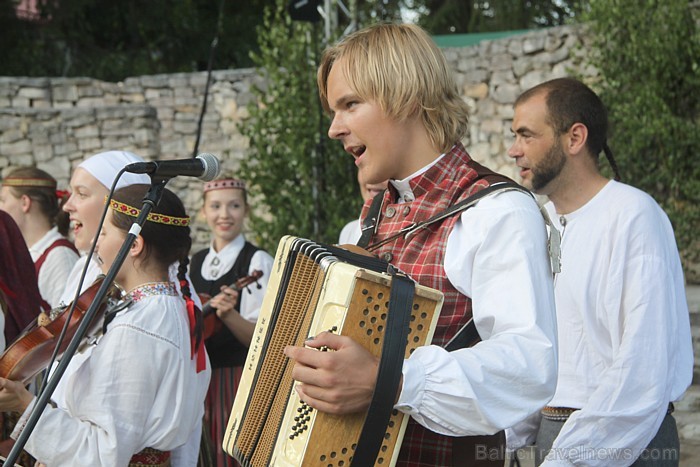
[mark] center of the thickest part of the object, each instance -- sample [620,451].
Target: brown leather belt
[560,414]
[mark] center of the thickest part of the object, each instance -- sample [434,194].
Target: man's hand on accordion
[335,374]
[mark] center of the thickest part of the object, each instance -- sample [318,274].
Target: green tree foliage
[112,40]
[462,16]
[649,63]
[302,184]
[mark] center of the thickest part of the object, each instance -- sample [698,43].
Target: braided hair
[165,243]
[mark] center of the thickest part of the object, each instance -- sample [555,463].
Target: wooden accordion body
[315,288]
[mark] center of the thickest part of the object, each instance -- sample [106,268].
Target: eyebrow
[522,129]
[342,100]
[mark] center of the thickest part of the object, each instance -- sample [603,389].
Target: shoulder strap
[553,243]
[59,242]
[369,223]
[452,210]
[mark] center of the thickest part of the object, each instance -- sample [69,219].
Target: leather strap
[369,223]
[467,336]
[389,374]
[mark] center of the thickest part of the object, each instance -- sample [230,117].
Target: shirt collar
[403,187]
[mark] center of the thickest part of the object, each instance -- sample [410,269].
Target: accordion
[314,288]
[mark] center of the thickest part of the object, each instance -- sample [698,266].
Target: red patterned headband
[152,216]
[224,183]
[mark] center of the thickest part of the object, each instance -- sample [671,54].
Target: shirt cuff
[22,422]
[413,387]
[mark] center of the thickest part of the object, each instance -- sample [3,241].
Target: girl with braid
[138,391]
[90,182]
[229,257]
[30,196]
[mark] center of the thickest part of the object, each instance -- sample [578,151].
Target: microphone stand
[151,200]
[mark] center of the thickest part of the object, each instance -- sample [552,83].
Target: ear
[577,138]
[25,202]
[138,247]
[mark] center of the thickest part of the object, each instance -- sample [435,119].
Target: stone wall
[56,122]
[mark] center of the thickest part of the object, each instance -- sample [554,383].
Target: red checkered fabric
[452,179]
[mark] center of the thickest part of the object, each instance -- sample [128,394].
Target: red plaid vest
[455,177]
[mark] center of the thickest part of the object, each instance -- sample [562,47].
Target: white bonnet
[104,166]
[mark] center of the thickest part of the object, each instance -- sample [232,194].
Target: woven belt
[150,457]
[561,414]
[558,414]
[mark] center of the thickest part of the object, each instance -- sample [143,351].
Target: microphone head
[212,167]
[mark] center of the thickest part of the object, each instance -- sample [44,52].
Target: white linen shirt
[625,347]
[183,456]
[136,388]
[350,233]
[57,265]
[497,255]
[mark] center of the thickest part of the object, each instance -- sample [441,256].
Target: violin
[31,352]
[212,323]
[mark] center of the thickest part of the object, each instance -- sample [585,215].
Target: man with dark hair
[625,351]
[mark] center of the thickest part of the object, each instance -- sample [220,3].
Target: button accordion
[314,288]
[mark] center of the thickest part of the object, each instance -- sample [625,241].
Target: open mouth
[77,226]
[357,151]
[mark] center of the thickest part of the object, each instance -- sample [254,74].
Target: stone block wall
[56,122]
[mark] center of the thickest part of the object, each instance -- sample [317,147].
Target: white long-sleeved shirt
[350,233]
[625,347]
[182,456]
[496,255]
[57,265]
[114,402]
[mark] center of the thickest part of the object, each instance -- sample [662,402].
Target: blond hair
[399,67]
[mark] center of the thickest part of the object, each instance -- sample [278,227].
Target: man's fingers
[327,340]
[306,394]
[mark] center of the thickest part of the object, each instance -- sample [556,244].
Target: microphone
[205,167]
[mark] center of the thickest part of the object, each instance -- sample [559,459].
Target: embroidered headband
[224,183]
[152,216]
[30,182]
[21,182]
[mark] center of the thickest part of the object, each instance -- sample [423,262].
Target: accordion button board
[314,288]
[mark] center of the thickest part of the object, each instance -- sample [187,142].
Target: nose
[68,204]
[337,129]
[514,150]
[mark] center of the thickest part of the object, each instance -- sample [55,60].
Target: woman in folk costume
[120,408]
[229,258]
[30,196]
[90,183]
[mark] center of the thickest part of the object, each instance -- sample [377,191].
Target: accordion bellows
[314,288]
